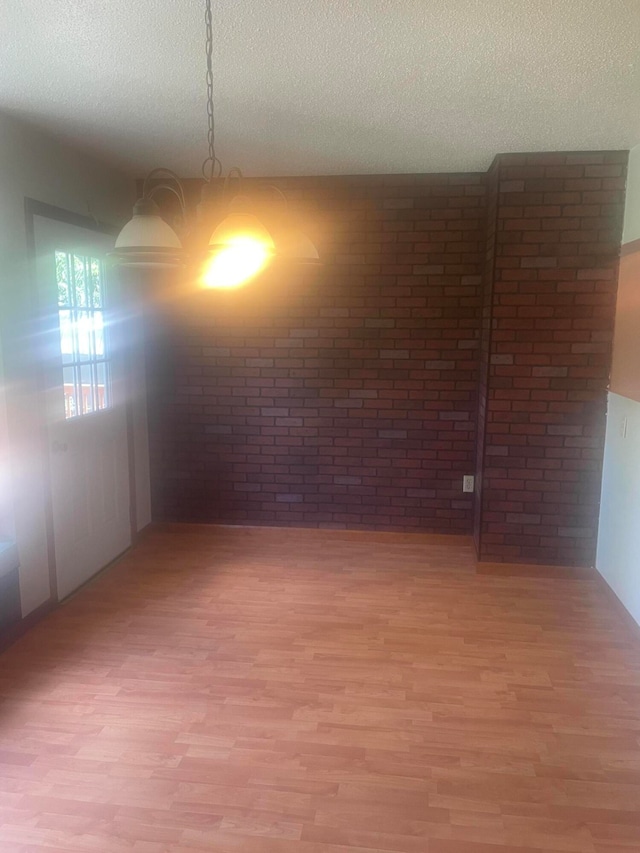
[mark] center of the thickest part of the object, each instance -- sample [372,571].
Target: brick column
[554,231]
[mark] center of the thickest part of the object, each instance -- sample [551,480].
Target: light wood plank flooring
[266,691]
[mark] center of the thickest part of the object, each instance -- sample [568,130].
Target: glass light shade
[296,246]
[238,261]
[239,248]
[147,231]
[147,240]
[243,227]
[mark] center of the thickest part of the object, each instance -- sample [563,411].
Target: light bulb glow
[242,258]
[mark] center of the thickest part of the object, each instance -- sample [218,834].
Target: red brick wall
[558,223]
[346,398]
[359,397]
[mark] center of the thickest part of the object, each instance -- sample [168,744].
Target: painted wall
[625,366]
[632,208]
[34,165]
[7,530]
[618,556]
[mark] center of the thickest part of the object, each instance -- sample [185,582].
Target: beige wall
[34,165]
[7,529]
[618,556]
[625,368]
[632,206]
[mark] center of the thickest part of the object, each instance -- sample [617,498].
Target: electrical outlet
[468,483]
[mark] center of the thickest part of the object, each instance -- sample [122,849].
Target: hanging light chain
[211,163]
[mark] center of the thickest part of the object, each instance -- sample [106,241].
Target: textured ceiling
[325,86]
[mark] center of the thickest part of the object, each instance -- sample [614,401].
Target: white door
[83,357]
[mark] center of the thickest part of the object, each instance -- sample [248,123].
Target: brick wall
[345,398]
[558,223]
[358,397]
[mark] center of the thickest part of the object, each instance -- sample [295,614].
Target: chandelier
[240,245]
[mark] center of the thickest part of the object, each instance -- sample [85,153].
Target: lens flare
[240,260]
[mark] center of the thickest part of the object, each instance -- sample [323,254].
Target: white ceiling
[325,86]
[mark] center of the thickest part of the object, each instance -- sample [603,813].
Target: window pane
[80,291]
[83,341]
[98,333]
[70,396]
[84,338]
[102,385]
[96,282]
[67,347]
[62,278]
[88,397]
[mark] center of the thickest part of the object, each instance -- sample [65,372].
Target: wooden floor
[320,692]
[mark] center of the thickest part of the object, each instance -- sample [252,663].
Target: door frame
[33,208]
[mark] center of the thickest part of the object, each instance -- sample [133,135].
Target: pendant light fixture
[238,248]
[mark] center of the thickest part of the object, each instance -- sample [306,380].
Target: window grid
[83,343]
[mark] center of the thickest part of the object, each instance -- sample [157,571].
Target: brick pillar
[553,239]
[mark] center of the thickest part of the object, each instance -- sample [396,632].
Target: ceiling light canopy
[239,246]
